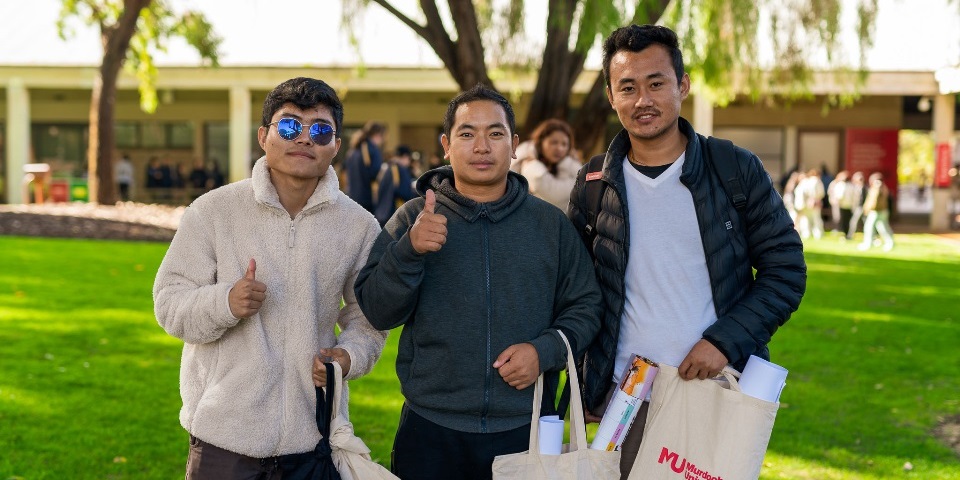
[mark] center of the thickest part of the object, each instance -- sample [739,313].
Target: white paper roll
[551,435]
[762,379]
[616,421]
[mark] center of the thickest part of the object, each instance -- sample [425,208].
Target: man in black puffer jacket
[673,255]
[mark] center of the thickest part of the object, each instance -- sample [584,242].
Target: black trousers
[423,450]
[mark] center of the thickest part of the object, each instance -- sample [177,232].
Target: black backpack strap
[722,156]
[592,194]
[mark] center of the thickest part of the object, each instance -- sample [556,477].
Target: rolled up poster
[763,379]
[624,404]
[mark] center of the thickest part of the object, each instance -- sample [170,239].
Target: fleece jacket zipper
[488,368]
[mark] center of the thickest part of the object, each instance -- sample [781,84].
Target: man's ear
[516,143]
[262,137]
[684,86]
[445,143]
[609,93]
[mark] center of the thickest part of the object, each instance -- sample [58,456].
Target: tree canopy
[766,48]
[131,33]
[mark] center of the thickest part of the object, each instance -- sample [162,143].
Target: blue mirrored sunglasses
[291,128]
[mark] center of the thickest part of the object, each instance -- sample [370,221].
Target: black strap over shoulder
[592,194]
[722,156]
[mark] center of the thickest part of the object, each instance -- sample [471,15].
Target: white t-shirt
[669,302]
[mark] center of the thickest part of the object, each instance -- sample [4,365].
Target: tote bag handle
[578,431]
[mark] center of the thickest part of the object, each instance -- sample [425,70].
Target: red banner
[941,177]
[873,150]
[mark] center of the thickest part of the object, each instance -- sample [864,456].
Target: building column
[791,148]
[18,138]
[943,128]
[239,133]
[703,114]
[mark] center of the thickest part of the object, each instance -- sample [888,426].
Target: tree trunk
[116,40]
[471,64]
[590,123]
[558,71]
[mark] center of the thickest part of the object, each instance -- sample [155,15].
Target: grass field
[88,380]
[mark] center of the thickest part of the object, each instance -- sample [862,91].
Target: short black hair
[479,92]
[636,38]
[304,93]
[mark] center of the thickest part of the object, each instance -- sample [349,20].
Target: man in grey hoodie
[481,274]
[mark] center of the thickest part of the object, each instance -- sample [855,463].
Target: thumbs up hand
[429,231]
[247,294]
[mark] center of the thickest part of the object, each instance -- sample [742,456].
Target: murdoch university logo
[682,466]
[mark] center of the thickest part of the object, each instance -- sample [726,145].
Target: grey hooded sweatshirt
[512,271]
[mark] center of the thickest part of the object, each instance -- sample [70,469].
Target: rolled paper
[551,435]
[763,379]
[624,404]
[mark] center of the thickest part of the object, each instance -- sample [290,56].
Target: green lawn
[88,380]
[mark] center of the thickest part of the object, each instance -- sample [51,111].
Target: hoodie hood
[441,181]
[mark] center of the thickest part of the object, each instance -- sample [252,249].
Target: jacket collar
[441,181]
[265,193]
[692,164]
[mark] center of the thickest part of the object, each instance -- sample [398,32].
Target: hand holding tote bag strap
[317,464]
[350,455]
[578,463]
[703,427]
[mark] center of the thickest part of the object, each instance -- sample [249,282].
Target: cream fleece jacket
[246,383]
[543,184]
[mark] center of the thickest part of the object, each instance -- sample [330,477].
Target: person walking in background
[481,275]
[835,194]
[363,163]
[256,281]
[877,208]
[548,163]
[395,184]
[214,176]
[674,255]
[123,174]
[856,193]
[789,189]
[808,199]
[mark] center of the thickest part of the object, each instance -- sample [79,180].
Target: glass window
[3,165]
[63,146]
[217,143]
[127,134]
[154,135]
[766,143]
[181,135]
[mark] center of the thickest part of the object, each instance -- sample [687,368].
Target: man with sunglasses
[252,283]
[481,275]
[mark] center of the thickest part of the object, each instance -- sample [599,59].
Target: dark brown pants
[631,444]
[206,461]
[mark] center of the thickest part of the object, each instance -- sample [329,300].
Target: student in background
[395,182]
[547,161]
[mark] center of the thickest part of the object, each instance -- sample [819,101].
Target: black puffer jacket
[749,309]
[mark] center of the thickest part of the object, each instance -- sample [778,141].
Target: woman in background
[547,161]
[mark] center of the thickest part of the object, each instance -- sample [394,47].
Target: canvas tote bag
[578,462]
[703,429]
[350,455]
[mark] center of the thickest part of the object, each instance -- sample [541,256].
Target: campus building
[210,115]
